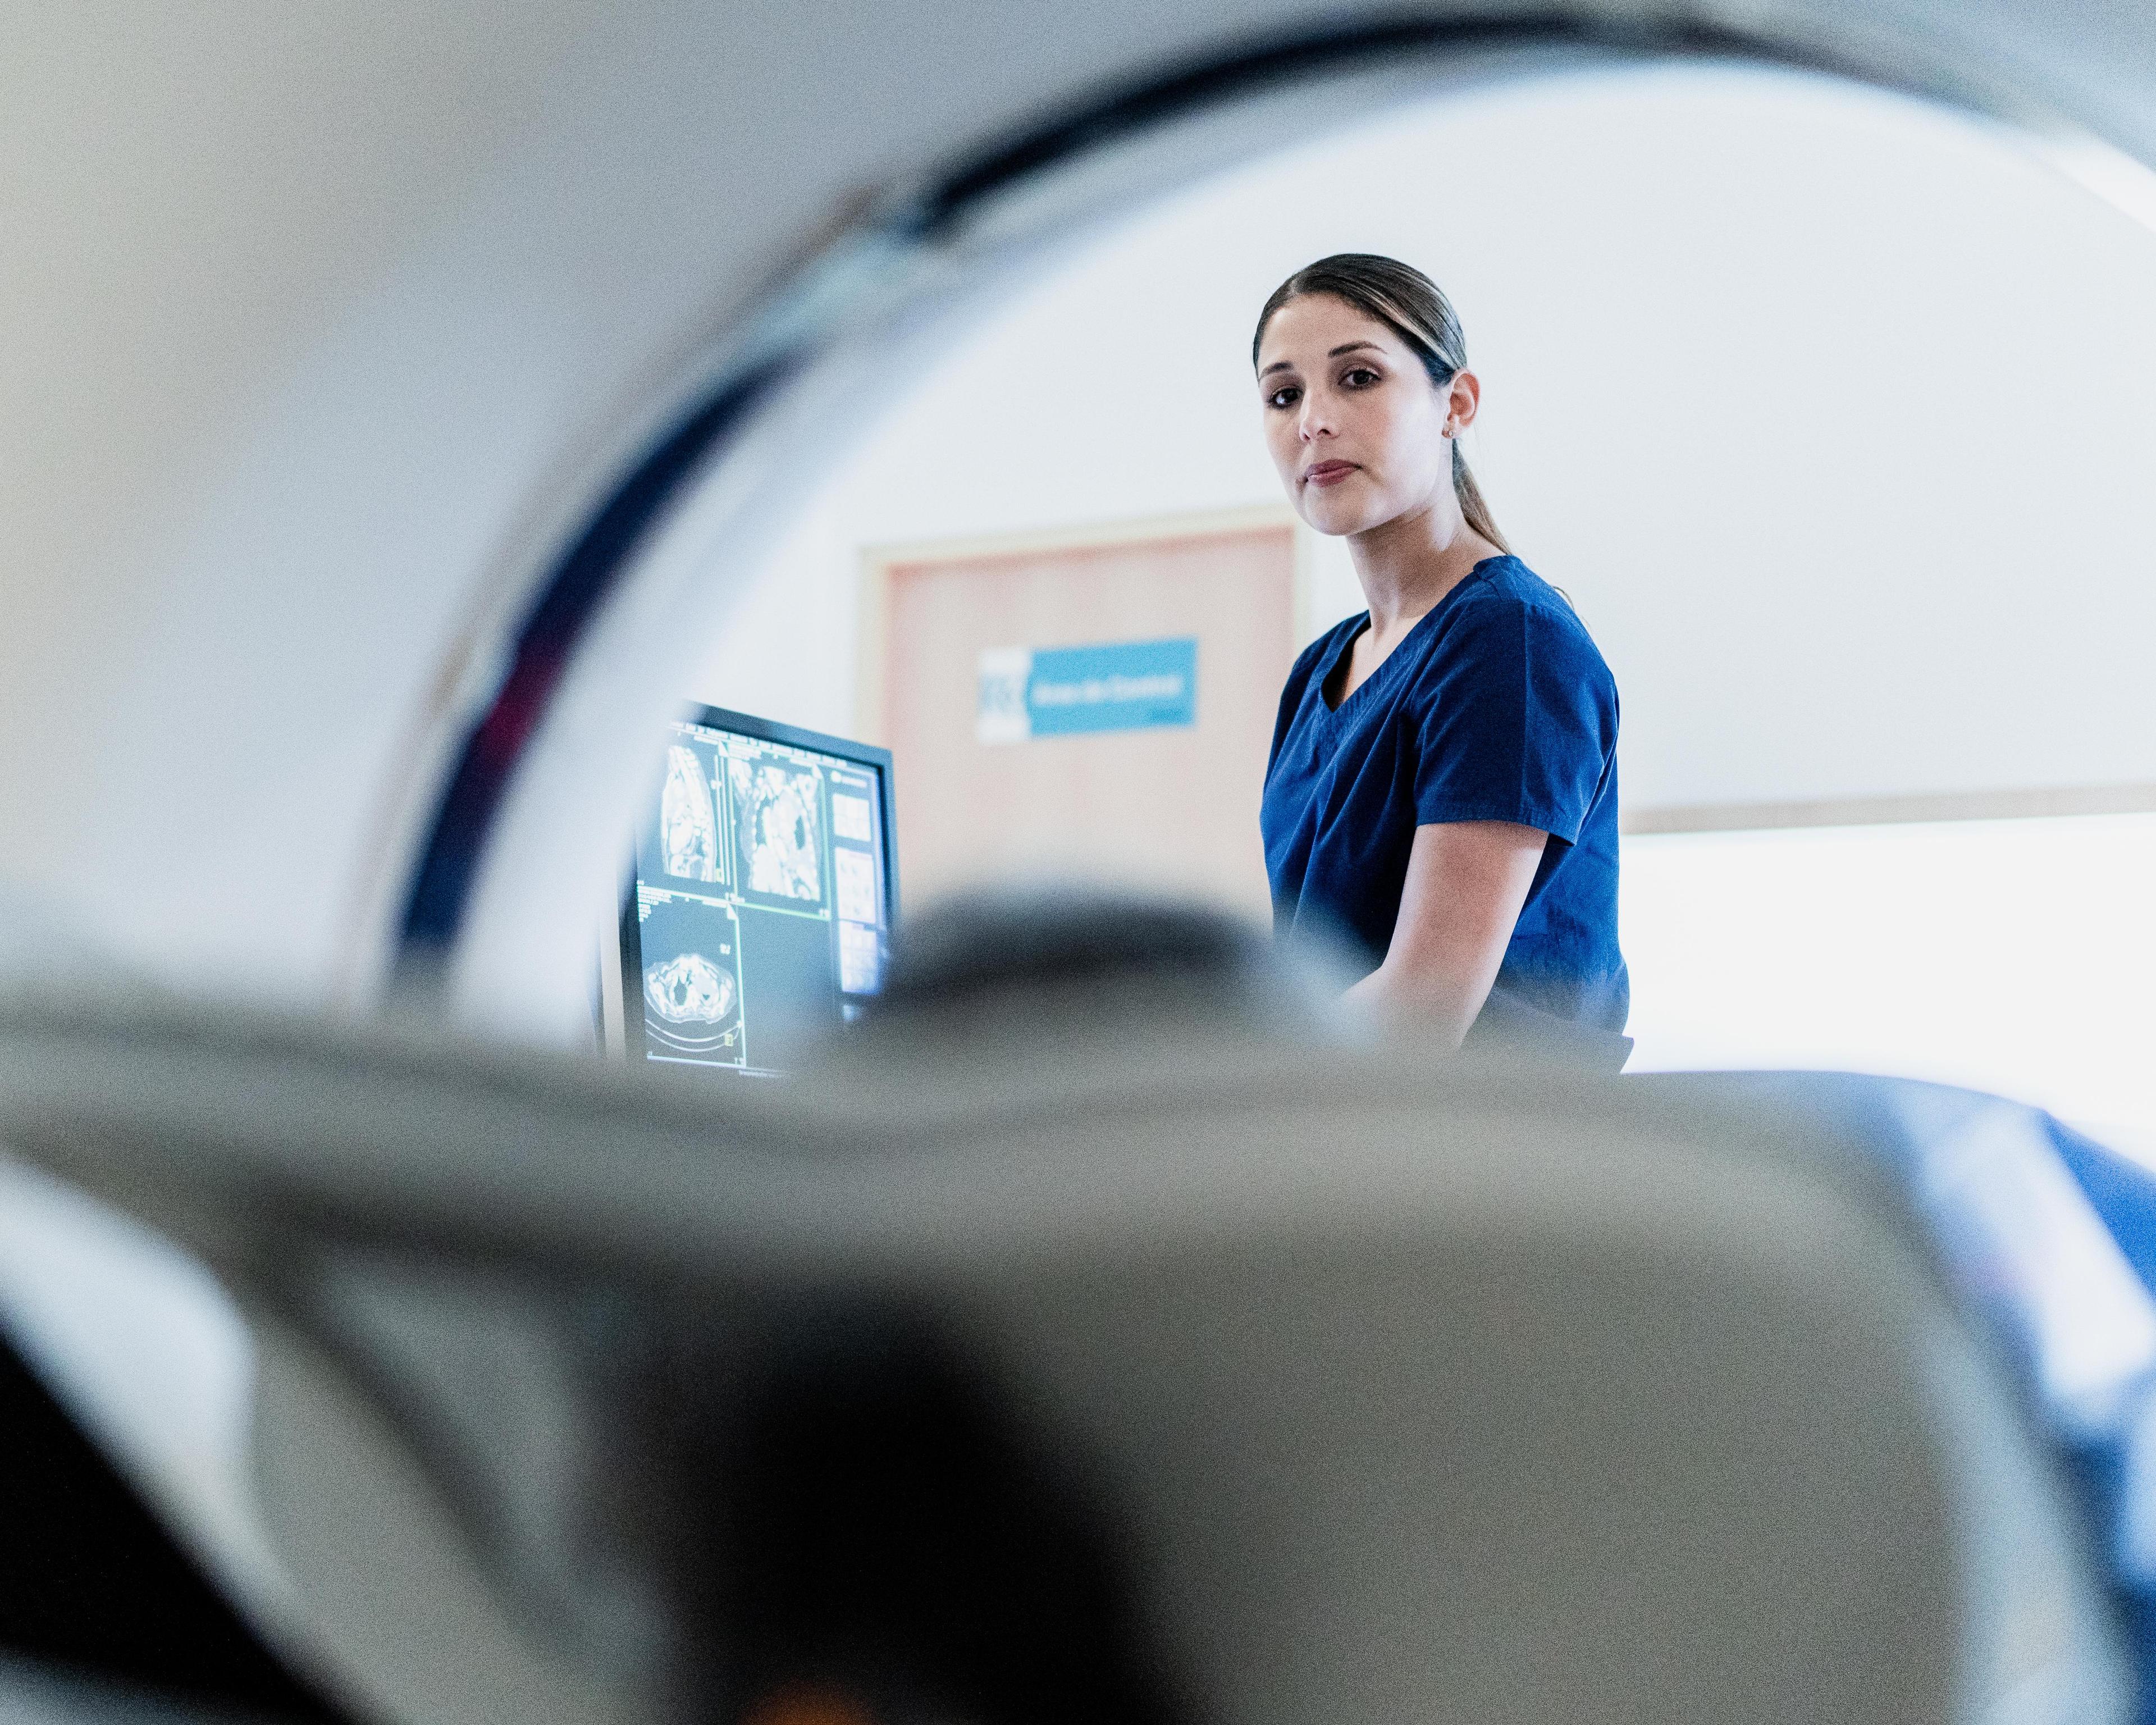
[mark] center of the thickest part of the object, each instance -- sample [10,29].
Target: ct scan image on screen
[758,916]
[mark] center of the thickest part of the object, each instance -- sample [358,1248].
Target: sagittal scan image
[777,828]
[688,825]
[692,980]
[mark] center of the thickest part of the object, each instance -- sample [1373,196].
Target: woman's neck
[1409,564]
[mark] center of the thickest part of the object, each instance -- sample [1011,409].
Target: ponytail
[1471,505]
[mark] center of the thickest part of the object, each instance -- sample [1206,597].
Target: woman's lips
[1328,473]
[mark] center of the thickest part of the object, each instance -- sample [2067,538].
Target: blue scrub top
[1497,706]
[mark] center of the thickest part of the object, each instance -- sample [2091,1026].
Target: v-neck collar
[1346,644]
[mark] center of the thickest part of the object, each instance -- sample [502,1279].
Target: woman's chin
[1338,522]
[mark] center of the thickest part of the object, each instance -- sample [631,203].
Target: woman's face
[1359,433]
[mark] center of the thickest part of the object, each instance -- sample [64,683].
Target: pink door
[1169,801]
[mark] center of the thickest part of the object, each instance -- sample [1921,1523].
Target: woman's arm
[1466,881]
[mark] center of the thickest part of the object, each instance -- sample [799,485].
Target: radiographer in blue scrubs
[1442,791]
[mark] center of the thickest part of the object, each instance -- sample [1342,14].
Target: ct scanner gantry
[413,371]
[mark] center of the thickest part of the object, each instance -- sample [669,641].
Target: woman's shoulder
[1504,596]
[1507,624]
[1504,583]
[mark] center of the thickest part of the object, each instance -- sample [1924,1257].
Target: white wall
[1833,413]
[2012,956]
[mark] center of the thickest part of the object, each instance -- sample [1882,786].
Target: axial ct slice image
[691,986]
[689,989]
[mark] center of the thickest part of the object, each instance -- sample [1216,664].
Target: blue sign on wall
[1063,691]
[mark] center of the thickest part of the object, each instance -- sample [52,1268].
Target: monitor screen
[759,914]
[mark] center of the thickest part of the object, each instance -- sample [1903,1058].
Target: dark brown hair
[1411,305]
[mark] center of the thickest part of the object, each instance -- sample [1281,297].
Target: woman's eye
[1358,378]
[1283,397]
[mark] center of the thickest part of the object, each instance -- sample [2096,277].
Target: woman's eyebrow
[1284,365]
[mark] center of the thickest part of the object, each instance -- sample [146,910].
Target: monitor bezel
[630,944]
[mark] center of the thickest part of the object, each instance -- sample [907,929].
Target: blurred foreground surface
[1115,1340]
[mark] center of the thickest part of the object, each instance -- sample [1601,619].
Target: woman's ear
[1463,398]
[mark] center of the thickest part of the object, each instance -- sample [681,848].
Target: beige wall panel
[1172,807]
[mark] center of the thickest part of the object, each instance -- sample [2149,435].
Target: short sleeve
[1517,719]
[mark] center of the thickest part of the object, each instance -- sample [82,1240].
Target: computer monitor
[760,904]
